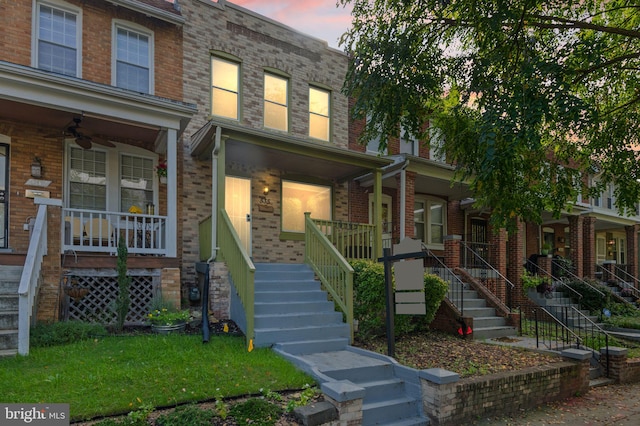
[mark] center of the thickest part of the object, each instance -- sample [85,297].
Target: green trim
[291,236]
[277,72]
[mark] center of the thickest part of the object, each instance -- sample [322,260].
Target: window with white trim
[225,88]
[57,34]
[319,113]
[133,56]
[276,109]
[87,179]
[298,198]
[409,144]
[373,145]
[136,182]
[430,221]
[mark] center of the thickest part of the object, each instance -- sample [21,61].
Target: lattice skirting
[98,304]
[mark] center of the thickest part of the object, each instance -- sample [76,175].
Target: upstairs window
[319,118]
[133,59]
[57,38]
[408,143]
[436,145]
[373,145]
[225,84]
[276,114]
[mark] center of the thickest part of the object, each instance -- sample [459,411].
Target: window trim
[328,116]
[35,30]
[133,27]
[287,79]
[222,56]
[294,235]
[113,156]
[429,201]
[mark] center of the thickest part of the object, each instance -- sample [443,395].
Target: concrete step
[9,286]
[301,295]
[306,318]
[9,339]
[305,347]
[479,312]
[494,321]
[286,285]
[270,336]
[293,307]
[8,352]
[388,411]
[8,302]
[475,303]
[8,320]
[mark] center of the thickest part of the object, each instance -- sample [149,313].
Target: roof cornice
[151,11]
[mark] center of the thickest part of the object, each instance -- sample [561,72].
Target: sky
[319,18]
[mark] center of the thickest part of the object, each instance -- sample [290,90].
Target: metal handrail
[574,277]
[548,329]
[621,281]
[487,265]
[628,275]
[455,294]
[540,271]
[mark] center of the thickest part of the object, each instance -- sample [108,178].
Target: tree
[531,96]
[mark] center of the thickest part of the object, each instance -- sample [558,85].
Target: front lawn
[113,375]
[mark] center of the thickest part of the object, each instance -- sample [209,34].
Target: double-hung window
[225,88]
[133,56]
[87,179]
[276,102]
[136,182]
[436,145]
[430,221]
[298,198]
[409,144]
[57,39]
[319,113]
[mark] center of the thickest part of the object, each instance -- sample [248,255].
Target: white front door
[238,206]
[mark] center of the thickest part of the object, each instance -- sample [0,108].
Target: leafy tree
[531,96]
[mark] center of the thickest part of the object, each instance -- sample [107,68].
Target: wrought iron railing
[610,276]
[434,265]
[475,256]
[30,279]
[241,269]
[352,240]
[550,332]
[334,272]
[557,282]
[99,232]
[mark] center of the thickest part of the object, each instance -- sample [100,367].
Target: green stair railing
[334,272]
[241,269]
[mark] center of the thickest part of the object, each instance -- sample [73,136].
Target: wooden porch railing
[241,268]
[99,231]
[30,278]
[352,240]
[329,264]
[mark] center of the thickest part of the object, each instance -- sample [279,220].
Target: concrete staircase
[557,304]
[9,283]
[294,316]
[486,323]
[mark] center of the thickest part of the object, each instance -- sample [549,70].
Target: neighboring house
[270,140]
[91,101]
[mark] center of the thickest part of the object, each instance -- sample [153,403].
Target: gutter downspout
[403,200]
[214,195]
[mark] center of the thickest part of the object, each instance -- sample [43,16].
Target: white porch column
[172,193]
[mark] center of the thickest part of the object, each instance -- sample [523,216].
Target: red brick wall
[576,243]
[589,244]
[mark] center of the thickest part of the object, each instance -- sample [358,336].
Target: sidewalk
[606,405]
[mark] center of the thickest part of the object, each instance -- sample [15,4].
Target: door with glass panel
[238,206]
[4,195]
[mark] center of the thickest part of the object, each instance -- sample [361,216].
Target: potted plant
[546,249]
[534,281]
[164,320]
[161,170]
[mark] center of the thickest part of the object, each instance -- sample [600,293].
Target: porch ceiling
[283,152]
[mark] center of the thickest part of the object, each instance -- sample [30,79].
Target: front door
[4,195]
[238,206]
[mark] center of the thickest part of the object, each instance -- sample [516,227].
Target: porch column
[172,193]
[632,249]
[498,254]
[576,243]
[589,244]
[516,260]
[377,212]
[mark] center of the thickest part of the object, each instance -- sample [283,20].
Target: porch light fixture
[36,168]
[265,203]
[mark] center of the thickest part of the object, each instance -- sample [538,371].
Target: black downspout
[203,268]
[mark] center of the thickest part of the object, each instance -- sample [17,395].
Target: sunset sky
[319,18]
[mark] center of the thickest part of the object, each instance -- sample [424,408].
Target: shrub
[370,304]
[63,332]
[186,415]
[256,411]
[591,299]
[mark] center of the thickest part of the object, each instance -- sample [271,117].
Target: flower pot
[163,179]
[166,329]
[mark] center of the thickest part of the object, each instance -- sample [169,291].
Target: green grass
[114,375]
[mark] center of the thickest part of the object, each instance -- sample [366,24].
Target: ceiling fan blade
[103,142]
[84,142]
